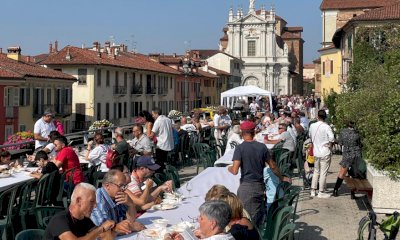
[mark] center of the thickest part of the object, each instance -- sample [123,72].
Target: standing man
[42,128]
[162,129]
[121,147]
[322,138]
[66,159]
[114,204]
[75,222]
[251,157]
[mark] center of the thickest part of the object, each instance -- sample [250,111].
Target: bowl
[160,222]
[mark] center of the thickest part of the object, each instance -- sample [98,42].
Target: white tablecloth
[189,208]
[16,178]
[226,159]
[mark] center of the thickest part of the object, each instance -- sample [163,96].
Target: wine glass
[189,187]
[25,163]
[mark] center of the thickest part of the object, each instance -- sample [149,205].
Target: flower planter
[386,194]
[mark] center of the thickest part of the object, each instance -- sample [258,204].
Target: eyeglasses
[122,187]
[281,128]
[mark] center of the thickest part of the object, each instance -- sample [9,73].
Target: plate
[153,233]
[5,175]
[164,206]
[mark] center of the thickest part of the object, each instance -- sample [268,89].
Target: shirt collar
[107,198]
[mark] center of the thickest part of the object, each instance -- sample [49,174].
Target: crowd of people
[125,193]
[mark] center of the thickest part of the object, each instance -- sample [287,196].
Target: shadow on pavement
[307,232]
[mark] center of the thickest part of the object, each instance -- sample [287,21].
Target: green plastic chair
[284,158]
[25,200]
[281,188]
[6,224]
[159,178]
[199,149]
[30,234]
[283,218]
[43,214]
[172,174]
[43,190]
[62,192]
[287,232]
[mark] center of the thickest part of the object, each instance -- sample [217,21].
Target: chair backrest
[42,191]
[284,158]
[30,234]
[68,192]
[198,148]
[281,189]
[283,218]
[25,196]
[287,232]
[159,178]
[9,196]
[172,173]
[44,214]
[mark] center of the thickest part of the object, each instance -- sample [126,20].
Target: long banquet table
[14,179]
[188,209]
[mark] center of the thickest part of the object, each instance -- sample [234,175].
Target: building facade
[29,89]
[113,84]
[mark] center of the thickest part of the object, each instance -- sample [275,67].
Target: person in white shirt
[98,154]
[188,127]
[254,107]
[42,129]
[322,138]
[50,148]
[233,136]
[222,122]
[141,143]
[162,129]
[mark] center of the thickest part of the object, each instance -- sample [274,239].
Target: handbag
[310,153]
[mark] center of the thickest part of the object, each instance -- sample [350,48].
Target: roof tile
[354,4]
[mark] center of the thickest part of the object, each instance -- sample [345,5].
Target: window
[171,83]
[251,48]
[22,128]
[98,111]
[116,78]
[133,79]
[125,109]
[115,111]
[107,111]
[331,66]
[119,110]
[38,101]
[82,74]
[24,96]
[99,77]
[107,78]
[58,100]
[125,79]
[323,68]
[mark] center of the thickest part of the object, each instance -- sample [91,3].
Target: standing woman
[148,124]
[349,138]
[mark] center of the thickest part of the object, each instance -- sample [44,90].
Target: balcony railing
[119,90]
[163,91]
[151,90]
[10,112]
[137,89]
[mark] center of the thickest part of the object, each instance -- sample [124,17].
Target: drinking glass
[189,187]
[25,163]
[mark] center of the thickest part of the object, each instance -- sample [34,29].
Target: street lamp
[186,70]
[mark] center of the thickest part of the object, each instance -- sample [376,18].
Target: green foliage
[373,99]
[330,103]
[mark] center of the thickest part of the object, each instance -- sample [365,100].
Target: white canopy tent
[241,92]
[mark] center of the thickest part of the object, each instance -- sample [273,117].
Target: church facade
[257,39]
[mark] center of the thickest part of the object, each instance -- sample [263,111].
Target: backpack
[111,157]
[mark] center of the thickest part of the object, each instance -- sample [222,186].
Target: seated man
[141,143]
[74,222]
[284,135]
[144,169]
[114,204]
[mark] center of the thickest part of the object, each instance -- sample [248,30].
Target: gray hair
[78,191]
[110,176]
[219,211]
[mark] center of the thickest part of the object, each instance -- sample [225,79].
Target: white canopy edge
[241,92]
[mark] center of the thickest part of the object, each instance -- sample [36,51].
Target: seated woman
[215,191]
[214,217]
[239,226]
[98,154]
[5,158]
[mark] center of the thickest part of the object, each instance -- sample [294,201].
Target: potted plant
[20,137]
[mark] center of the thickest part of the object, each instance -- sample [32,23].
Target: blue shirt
[107,209]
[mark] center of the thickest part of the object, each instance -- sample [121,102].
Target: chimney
[206,66]
[68,55]
[56,46]
[174,55]
[96,46]
[14,53]
[28,59]
[107,47]
[50,47]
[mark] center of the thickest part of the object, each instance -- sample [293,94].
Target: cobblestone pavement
[335,218]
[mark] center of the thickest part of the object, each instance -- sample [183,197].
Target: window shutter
[6,97]
[331,66]
[28,96]
[16,97]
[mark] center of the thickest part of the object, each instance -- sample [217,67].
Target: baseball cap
[48,112]
[247,125]
[147,161]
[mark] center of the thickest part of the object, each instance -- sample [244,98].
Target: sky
[148,26]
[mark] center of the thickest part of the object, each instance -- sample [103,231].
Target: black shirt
[63,222]
[49,168]
[252,156]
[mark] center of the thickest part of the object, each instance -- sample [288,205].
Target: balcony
[163,91]
[151,90]
[119,90]
[137,89]
[10,112]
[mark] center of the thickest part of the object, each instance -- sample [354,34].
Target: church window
[251,48]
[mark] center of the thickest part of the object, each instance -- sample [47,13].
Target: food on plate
[151,232]
[160,222]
